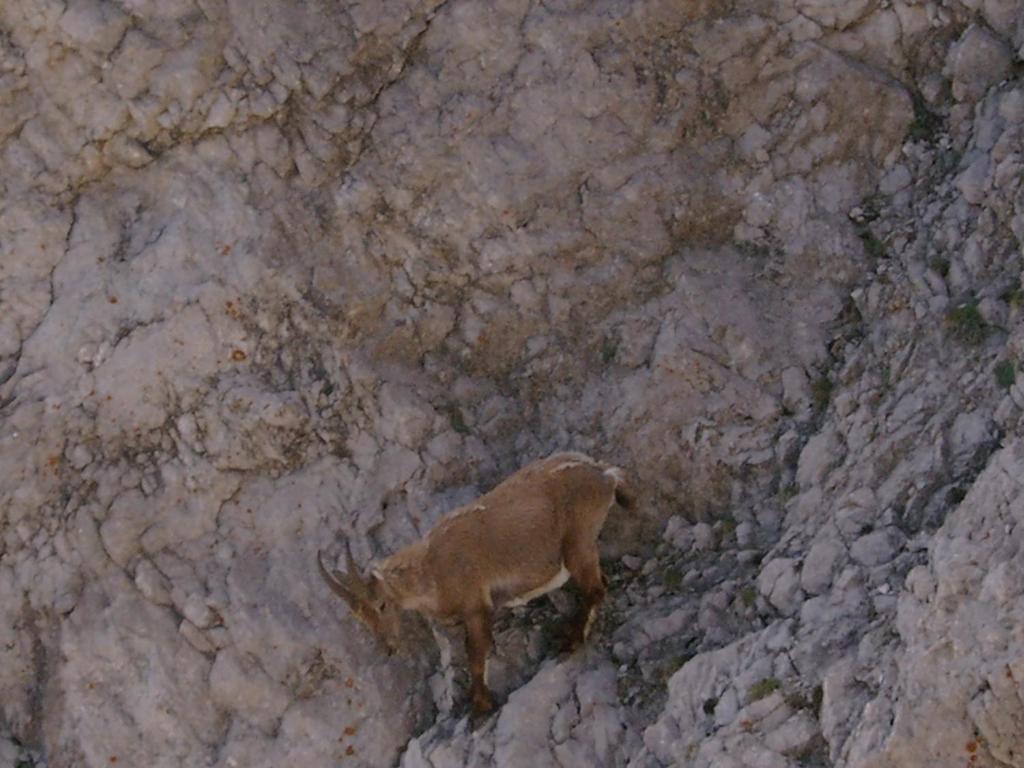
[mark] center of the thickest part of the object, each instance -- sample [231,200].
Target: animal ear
[356,583]
[375,587]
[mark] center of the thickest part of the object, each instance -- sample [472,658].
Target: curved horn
[338,582]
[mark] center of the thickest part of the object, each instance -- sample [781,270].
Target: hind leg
[585,569]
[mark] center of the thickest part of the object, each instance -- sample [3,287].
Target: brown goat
[528,536]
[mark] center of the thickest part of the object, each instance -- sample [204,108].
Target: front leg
[585,568]
[478,644]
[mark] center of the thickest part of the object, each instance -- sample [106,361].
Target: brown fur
[509,544]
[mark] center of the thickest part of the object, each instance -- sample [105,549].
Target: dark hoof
[481,709]
[571,643]
[482,704]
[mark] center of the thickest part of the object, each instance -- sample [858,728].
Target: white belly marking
[560,578]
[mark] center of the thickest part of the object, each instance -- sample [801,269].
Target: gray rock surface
[278,276]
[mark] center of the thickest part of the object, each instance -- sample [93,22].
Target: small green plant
[673,665]
[728,527]
[1013,296]
[748,595]
[821,393]
[797,700]
[940,266]
[787,492]
[763,687]
[966,324]
[874,247]
[926,124]
[1005,374]
[809,700]
[810,754]
[456,420]
[672,579]
[609,347]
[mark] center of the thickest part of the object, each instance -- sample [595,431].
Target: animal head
[368,599]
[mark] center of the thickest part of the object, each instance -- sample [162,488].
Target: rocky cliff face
[275,275]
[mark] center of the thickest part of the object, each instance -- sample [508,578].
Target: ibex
[526,537]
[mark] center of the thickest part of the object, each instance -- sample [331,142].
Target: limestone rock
[285,277]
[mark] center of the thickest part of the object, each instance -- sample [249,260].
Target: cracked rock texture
[279,275]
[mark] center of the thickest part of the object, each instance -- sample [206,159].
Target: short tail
[623,496]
